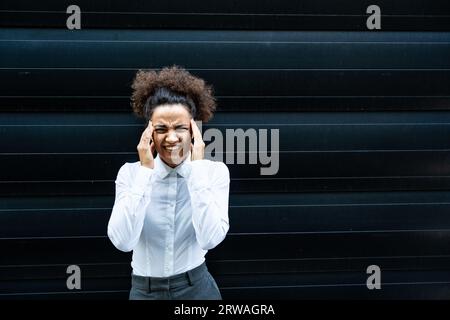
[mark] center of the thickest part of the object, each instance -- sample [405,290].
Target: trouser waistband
[165,283]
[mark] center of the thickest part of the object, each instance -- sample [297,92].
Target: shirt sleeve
[209,187]
[128,213]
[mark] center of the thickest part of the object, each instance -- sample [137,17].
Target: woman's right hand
[146,147]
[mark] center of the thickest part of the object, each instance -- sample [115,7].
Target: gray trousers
[196,284]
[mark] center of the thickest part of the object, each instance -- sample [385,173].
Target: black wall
[364,142]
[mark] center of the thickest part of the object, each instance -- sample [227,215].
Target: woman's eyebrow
[177,125]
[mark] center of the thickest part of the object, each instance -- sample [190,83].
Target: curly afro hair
[172,85]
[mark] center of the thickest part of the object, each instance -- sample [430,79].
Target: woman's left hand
[198,148]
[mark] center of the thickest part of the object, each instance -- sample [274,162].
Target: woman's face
[172,133]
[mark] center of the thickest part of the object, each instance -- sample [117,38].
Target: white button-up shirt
[169,217]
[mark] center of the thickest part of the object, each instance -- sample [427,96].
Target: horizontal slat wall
[244,15]
[305,71]
[363,162]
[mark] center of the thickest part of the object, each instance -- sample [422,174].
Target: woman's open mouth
[172,148]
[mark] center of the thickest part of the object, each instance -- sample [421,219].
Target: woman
[171,209]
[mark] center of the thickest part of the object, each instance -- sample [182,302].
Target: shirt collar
[163,170]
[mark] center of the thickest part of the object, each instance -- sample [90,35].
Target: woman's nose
[172,137]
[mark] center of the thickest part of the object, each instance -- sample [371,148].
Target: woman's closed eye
[182,129]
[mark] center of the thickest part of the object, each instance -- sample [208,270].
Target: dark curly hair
[169,86]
